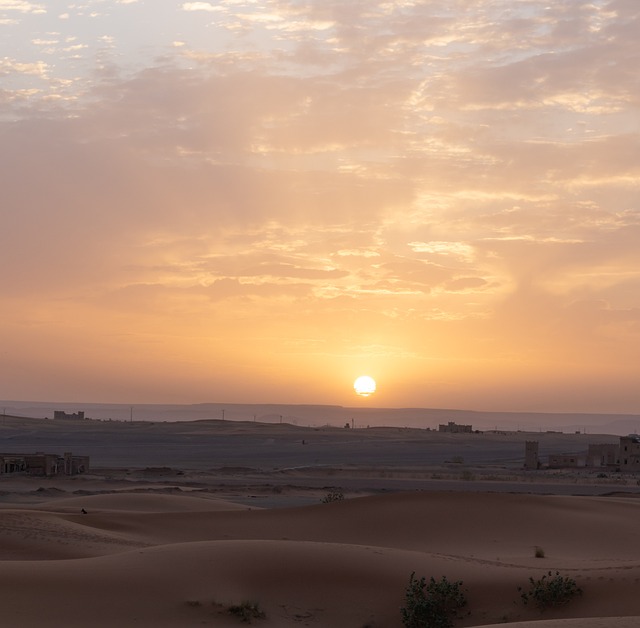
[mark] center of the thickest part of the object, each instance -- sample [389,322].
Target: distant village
[42,464]
[623,456]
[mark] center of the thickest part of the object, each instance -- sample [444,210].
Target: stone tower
[531,455]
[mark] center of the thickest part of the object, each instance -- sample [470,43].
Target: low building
[603,455]
[12,463]
[61,415]
[455,428]
[42,464]
[562,461]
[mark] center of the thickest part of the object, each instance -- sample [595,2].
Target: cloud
[201,6]
[22,6]
[11,66]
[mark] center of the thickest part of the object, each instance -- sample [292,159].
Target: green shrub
[246,611]
[550,591]
[433,605]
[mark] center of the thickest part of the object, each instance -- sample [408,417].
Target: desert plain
[178,522]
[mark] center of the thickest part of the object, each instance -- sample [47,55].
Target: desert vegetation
[333,496]
[432,605]
[550,591]
[246,611]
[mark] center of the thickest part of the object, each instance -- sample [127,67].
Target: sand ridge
[181,559]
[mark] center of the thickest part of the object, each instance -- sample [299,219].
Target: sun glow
[364,386]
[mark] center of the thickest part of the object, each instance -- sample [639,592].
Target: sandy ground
[176,547]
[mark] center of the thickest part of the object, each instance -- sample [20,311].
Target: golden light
[364,386]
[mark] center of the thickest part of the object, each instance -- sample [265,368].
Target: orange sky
[258,202]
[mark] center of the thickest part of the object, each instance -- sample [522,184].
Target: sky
[257,201]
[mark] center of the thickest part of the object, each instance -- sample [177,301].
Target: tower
[531,455]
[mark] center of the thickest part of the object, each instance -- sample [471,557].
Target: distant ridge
[318,415]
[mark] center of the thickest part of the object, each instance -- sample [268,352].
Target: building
[531,457]
[630,453]
[455,428]
[41,464]
[563,461]
[603,455]
[11,463]
[64,416]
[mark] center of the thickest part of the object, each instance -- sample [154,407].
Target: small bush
[550,591]
[334,496]
[433,605]
[539,552]
[246,611]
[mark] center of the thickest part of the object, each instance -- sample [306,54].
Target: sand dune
[583,622]
[139,502]
[178,560]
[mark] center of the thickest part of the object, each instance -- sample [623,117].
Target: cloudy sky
[259,200]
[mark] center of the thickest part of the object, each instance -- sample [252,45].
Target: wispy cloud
[201,6]
[21,6]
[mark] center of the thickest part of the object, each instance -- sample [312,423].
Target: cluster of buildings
[623,456]
[41,464]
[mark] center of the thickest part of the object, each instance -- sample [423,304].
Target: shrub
[246,611]
[433,605]
[334,496]
[539,552]
[550,591]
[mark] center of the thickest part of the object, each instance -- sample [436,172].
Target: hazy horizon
[264,201]
[317,415]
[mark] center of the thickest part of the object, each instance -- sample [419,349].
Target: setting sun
[364,386]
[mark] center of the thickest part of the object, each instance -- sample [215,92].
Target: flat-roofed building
[630,453]
[455,428]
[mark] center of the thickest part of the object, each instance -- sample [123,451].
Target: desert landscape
[183,523]
[255,254]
